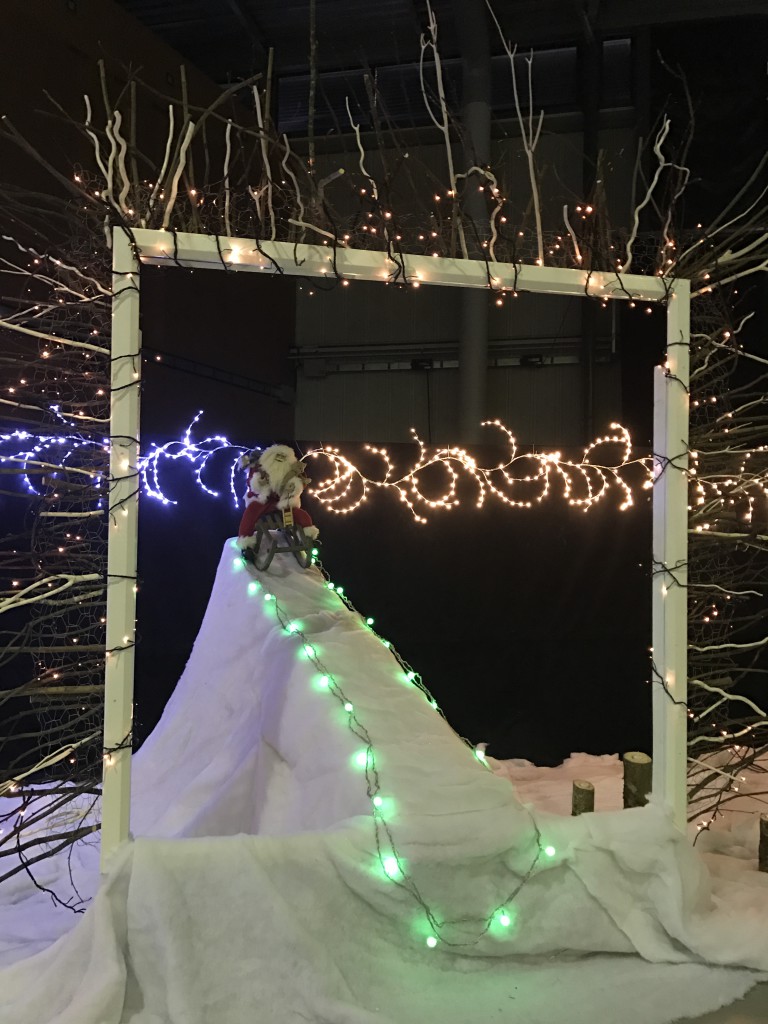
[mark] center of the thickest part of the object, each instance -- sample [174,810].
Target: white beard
[271,474]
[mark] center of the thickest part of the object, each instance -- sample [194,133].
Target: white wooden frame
[670,443]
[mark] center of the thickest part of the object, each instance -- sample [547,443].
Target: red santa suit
[275,482]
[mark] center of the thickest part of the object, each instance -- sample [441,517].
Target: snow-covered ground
[255,891]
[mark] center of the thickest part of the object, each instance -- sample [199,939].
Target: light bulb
[431,941]
[391,867]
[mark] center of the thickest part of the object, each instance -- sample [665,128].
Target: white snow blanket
[254,890]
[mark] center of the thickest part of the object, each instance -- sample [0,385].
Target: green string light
[361,759]
[392,865]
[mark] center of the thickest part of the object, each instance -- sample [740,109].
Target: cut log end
[638,773]
[583,797]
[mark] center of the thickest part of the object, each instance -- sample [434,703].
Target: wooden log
[583,797]
[638,771]
[762,850]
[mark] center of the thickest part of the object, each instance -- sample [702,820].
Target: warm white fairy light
[583,483]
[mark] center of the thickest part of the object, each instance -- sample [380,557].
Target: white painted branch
[53,338]
[122,146]
[29,251]
[529,137]
[711,768]
[723,227]
[9,785]
[729,736]
[314,227]
[725,695]
[444,123]
[576,249]
[731,278]
[34,594]
[361,152]
[292,176]
[156,188]
[661,164]
[227,154]
[94,138]
[182,161]
[731,647]
[491,178]
[265,159]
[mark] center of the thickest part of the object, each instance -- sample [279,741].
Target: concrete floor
[752,1009]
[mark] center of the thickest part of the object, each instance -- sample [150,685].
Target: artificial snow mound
[254,888]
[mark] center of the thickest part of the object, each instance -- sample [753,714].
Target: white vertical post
[670,559]
[122,546]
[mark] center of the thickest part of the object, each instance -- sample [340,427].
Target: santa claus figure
[276,479]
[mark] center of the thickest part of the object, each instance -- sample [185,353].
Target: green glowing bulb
[339,590]
[315,552]
[433,703]
[410,676]
[431,941]
[348,707]
[505,920]
[237,563]
[269,597]
[329,585]
[361,759]
[550,851]
[254,588]
[324,681]
[309,650]
[369,621]
[391,867]
[386,643]
[377,802]
[293,627]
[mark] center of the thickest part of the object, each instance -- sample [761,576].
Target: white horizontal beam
[163,248]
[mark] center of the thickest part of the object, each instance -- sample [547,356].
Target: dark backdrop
[531,627]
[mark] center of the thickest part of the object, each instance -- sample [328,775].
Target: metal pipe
[590,57]
[472,28]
